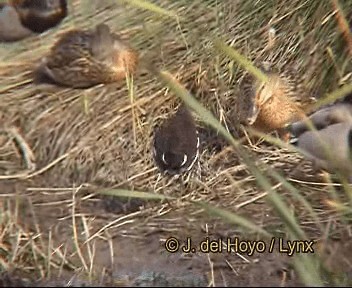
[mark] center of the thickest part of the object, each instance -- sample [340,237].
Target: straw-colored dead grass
[103,135]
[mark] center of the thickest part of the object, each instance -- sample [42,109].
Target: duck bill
[254,115]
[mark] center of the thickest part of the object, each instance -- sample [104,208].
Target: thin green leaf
[299,197]
[307,267]
[232,218]
[284,212]
[151,7]
[135,194]
[240,59]
[333,96]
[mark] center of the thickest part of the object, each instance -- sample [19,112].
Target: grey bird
[330,146]
[337,113]
[11,28]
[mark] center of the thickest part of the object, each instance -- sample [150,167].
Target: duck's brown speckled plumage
[84,58]
[274,104]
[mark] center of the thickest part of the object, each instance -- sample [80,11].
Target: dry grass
[100,137]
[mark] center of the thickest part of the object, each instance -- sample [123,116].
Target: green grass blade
[299,197]
[151,7]
[206,116]
[333,96]
[308,268]
[284,212]
[280,178]
[232,218]
[135,194]
[240,59]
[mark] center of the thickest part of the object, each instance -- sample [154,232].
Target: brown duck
[84,58]
[40,15]
[273,104]
[330,147]
[11,28]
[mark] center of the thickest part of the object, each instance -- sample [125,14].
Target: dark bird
[330,146]
[176,143]
[84,58]
[11,28]
[40,15]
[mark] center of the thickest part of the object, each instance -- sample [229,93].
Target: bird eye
[184,159]
[46,4]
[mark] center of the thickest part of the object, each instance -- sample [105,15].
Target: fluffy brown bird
[176,143]
[11,28]
[84,58]
[273,104]
[330,147]
[40,15]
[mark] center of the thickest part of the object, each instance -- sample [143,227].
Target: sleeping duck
[273,104]
[84,58]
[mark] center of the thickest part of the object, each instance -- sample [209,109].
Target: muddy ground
[124,257]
